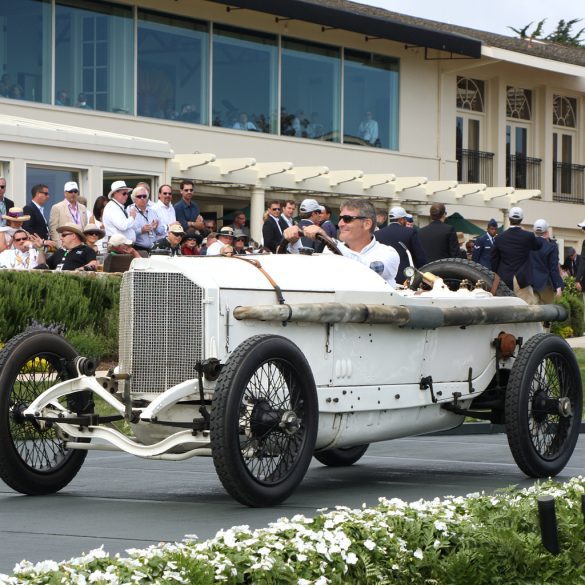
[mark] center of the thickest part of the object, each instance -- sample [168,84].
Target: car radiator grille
[161,329]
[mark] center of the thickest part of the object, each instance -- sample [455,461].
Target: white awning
[320,181]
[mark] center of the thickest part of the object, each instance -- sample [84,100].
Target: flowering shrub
[479,539]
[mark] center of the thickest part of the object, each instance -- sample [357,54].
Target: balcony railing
[568,182]
[475,166]
[523,172]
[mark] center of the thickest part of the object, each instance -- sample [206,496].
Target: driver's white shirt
[382,259]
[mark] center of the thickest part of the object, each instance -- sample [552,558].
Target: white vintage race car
[262,362]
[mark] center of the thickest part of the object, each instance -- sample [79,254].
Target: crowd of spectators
[127,222]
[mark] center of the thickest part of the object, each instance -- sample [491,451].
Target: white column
[257,208]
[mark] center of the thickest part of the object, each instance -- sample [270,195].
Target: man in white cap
[511,253]
[547,282]
[357,222]
[67,211]
[311,213]
[395,233]
[115,218]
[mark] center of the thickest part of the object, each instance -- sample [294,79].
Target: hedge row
[85,305]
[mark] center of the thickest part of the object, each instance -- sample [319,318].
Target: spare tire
[454,270]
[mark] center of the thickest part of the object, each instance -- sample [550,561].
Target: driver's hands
[311,231]
[292,234]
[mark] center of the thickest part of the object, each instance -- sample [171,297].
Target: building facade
[257,100]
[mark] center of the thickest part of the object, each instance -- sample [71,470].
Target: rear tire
[544,402]
[455,270]
[341,457]
[33,458]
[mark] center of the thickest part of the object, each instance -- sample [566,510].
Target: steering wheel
[329,242]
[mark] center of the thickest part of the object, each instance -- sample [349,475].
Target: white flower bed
[475,539]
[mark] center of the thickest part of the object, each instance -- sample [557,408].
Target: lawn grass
[580,355]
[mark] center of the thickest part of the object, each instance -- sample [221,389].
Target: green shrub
[85,305]
[572,300]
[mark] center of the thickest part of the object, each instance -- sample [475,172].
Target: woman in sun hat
[15,219]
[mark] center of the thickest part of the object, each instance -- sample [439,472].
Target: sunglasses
[44,192]
[350,218]
[73,191]
[166,193]
[141,196]
[64,235]
[275,209]
[188,190]
[20,239]
[2,186]
[97,235]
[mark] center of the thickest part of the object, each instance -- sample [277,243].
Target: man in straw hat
[116,219]
[224,243]
[75,254]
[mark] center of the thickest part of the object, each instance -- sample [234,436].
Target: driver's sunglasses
[20,239]
[350,218]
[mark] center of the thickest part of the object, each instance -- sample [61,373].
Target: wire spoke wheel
[263,421]
[543,406]
[33,455]
[454,271]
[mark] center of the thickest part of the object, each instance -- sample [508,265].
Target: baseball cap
[310,205]
[70,186]
[118,240]
[397,213]
[492,223]
[540,226]
[516,213]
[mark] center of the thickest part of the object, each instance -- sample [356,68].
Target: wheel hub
[263,419]
[565,408]
[290,422]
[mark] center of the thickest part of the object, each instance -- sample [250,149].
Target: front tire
[264,421]
[33,458]
[342,456]
[544,401]
[454,270]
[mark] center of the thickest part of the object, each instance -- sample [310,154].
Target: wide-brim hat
[72,227]
[92,228]
[226,231]
[118,186]
[16,214]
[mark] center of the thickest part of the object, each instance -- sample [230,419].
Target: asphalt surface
[123,502]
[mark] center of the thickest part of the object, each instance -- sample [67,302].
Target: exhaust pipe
[400,316]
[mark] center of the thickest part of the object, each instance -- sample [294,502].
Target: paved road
[122,501]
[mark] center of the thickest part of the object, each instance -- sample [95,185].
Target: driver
[357,222]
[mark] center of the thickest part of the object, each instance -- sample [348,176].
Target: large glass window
[245,85]
[311,91]
[370,100]
[55,179]
[94,56]
[172,68]
[25,50]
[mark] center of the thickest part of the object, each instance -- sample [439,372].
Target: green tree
[563,33]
